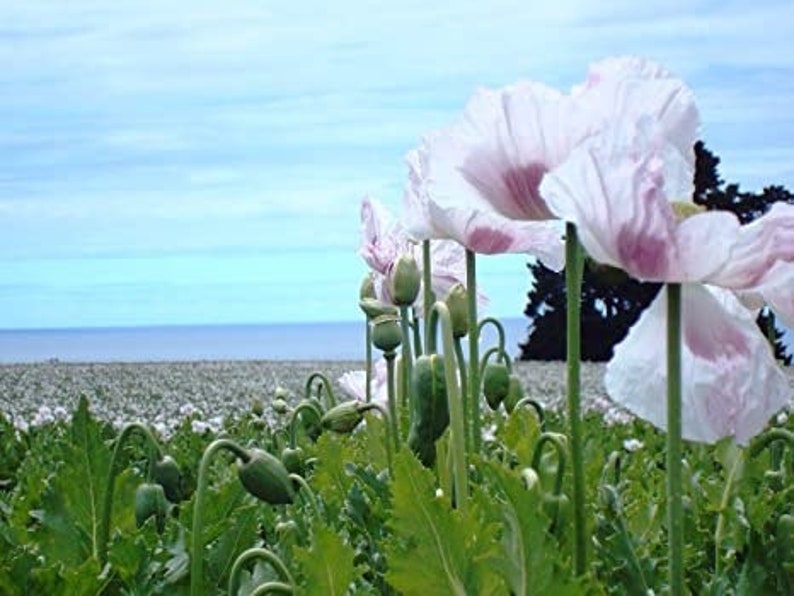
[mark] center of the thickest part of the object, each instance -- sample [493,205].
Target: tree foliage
[611,301]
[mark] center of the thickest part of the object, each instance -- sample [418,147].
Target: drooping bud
[495,384]
[367,290]
[150,502]
[515,393]
[166,473]
[345,417]
[404,280]
[530,478]
[292,458]
[375,308]
[257,407]
[280,406]
[265,477]
[386,332]
[458,305]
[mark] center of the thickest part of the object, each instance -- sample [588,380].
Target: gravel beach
[162,394]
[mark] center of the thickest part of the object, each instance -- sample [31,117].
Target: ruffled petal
[382,238]
[762,260]
[731,385]
[486,232]
[632,87]
[614,188]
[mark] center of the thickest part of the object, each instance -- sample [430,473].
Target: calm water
[310,341]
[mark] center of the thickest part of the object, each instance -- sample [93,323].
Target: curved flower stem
[258,553]
[675,510]
[727,493]
[304,405]
[500,330]
[558,442]
[273,588]
[474,351]
[197,546]
[417,333]
[368,370]
[427,288]
[307,493]
[330,399]
[463,390]
[103,531]
[771,437]
[573,282]
[395,429]
[405,376]
[503,356]
[535,405]
[455,401]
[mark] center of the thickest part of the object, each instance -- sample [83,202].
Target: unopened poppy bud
[375,308]
[367,288]
[280,407]
[495,384]
[515,393]
[345,417]
[257,407]
[292,458]
[167,474]
[265,477]
[404,280]
[280,393]
[150,502]
[530,478]
[386,333]
[457,303]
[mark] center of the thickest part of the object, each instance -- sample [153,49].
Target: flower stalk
[675,510]
[471,407]
[573,282]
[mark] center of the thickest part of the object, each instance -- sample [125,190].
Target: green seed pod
[257,407]
[292,458]
[495,384]
[150,502]
[374,308]
[430,409]
[280,406]
[281,393]
[404,280]
[265,477]
[784,538]
[343,418]
[166,473]
[386,333]
[515,393]
[367,288]
[458,305]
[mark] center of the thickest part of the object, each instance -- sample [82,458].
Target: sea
[282,341]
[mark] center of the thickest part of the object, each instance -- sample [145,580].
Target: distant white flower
[187,410]
[199,427]
[632,445]
[43,416]
[782,418]
[439,493]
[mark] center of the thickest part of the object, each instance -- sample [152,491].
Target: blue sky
[203,162]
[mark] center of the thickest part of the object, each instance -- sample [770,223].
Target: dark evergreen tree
[611,301]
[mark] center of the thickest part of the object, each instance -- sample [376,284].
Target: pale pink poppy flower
[615,189]
[478,181]
[384,240]
[354,383]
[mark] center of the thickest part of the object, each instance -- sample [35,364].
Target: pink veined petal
[485,232]
[613,187]
[415,216]
[382,238]
[731,385]
[354,383]
[632,87]
[762,260]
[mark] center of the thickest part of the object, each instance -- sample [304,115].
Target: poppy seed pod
[374,308]
[458,304]
[404,280]
[166,473]
[515,393]
[495,384]
[150,502]
[266,478]
[386,333]
[343,418]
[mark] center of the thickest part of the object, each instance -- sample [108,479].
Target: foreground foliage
[367,531]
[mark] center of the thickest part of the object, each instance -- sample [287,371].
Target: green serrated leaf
[327,566]
[433,548]
[519,433]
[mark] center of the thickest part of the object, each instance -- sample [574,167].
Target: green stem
[293,421]
[307,493]
[474,350]
[558,442]
[395,431]
[369,361]
[463,390]
[727,493]
[675,510]
[458,448]
[500,330]
[405,376]
[103,531]
[427,287]
[417,333]
[273,588]
[257,553]
[330,399]
[503,356]
[197,546]
[389,439]
[573,282]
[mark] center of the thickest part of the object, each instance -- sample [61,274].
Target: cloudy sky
[203,162]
